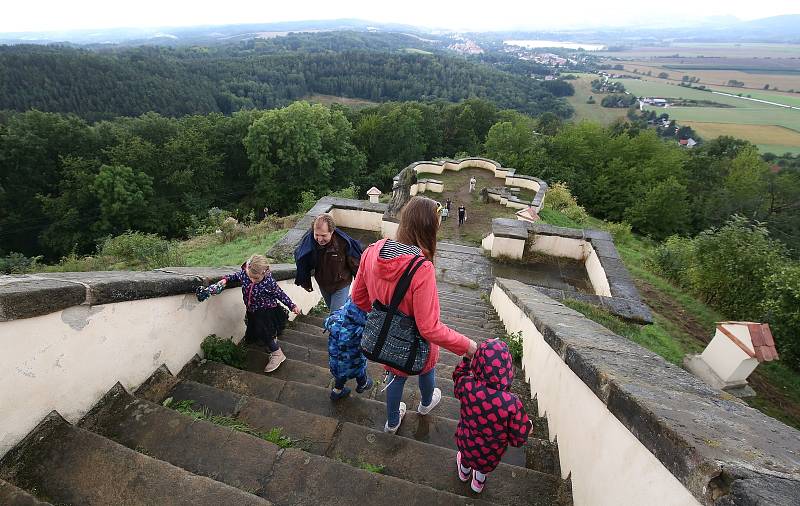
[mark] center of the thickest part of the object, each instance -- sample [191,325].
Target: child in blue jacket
[345,327]
[266,319]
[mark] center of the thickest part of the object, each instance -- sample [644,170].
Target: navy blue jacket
[305,257]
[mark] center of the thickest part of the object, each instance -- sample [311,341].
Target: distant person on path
[333,257]
[265,318]
[447,204]
[462,214]
[445,213]
[491,416]
[382,265]
[472,182]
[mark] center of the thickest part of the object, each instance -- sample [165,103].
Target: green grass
[208,251]
[274,435]
[592,112]
[362,464]
[653,337]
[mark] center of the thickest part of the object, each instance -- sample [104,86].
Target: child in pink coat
[491,416]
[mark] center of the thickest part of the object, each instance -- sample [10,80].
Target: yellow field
[751,80]
[757,134]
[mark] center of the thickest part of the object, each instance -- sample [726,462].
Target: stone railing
[67,338]
[634,429]
[508,176]
[349,213]
[612,284]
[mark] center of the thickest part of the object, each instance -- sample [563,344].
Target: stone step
[319,342]
[69,465]
[302,372]
[10,495]
[355,409]
[284,476]
[403,458]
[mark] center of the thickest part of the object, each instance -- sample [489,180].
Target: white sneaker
[392,430]
[437,397]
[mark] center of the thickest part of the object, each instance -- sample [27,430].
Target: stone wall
[403,187]
[612,284]
[67,338]
[634,429]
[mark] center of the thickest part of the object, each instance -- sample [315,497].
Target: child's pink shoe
[477,484]
[464,472]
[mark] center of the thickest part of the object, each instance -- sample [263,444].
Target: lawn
[592,112]
[209,251]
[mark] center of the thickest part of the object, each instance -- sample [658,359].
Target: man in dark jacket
[332,255]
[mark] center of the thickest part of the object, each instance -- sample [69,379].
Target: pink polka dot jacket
[491,416]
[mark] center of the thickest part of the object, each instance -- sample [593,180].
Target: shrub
[140,250]
[621,232]
[559,197]
[781,309]
[577,214]
[230,229]
[673,259]
[17,263]
[224,350]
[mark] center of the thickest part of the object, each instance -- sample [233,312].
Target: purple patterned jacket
[262,295]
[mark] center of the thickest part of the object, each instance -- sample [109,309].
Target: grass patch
[320,309]
[514,342]
[653,337]
[224,350]
[208,251]
[274,435]
[362,464]
[555,218]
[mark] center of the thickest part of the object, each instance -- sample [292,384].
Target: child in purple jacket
[491,416]
[265,319]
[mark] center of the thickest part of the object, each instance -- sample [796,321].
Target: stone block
[29,296]
[105,287]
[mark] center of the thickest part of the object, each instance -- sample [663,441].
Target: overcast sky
[44,15]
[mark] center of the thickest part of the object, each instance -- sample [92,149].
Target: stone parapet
[27,296]
[721,450]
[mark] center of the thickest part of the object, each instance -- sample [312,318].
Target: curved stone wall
[508,176]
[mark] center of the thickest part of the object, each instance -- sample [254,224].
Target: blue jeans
[336,299]
[394,394]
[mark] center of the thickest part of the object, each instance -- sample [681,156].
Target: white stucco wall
[362,220]
[67,360]
[597,275]
[727,360]
[389,229]
[609,466]
[523,183]
[507,247]
[559,246]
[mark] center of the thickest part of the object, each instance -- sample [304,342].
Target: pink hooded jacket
[377,278]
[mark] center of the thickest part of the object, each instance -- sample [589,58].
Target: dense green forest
[101,83]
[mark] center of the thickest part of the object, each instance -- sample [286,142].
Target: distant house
[688,143]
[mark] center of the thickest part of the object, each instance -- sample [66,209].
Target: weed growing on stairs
[320,309]
[274,435]
[514,342]
[224,350]
[362,464]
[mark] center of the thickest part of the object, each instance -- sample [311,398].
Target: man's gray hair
[326,218]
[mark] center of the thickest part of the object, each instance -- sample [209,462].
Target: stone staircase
[171,442]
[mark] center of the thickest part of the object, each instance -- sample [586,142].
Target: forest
[103,83]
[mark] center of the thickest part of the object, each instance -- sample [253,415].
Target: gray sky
[43,15]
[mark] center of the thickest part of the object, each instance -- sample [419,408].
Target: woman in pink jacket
[381,266]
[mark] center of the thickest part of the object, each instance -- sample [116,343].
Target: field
[593,112]
[773,128]
[711,50]
[355,103]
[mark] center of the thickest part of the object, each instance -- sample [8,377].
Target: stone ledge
[711,442]
[33,295]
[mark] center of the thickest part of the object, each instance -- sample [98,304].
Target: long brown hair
[419,223]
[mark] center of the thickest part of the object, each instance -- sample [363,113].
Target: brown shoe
[276,358]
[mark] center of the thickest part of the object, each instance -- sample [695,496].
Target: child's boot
[464,472]
[341,394]
[367,385]
[276,358]
[478,481]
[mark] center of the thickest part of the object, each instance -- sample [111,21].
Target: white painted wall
[523,183]
[389,229]
[597,275]
[609,466]
[727,360]
[559,246]
[507,247]
[362,220]
[67,360]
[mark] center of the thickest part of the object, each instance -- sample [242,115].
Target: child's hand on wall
[295,309]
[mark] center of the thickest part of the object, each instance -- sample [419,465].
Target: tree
[662,211]
[663,75]
[301,147]
[123,195]
[508,143]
